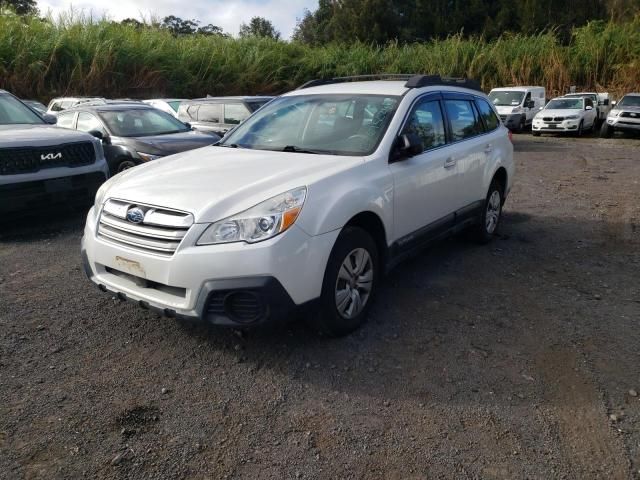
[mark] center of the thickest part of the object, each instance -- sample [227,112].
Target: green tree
[21,7]
[259,27]
[178,26]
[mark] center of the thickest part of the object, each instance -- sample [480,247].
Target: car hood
[39,136]
[565,112]
[168,144]
[627,109]
[215,182]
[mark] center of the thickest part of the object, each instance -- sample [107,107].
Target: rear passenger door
[471,146]
[425,184]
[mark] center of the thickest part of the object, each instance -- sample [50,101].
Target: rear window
[174,105]
[463,119]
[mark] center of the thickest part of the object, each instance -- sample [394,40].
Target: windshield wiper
[293,148]
[228,145]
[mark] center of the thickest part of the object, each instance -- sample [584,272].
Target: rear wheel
[491,213]
[350,283]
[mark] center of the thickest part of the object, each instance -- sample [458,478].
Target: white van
[517,105]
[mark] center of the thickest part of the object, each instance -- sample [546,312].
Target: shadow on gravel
[42,223]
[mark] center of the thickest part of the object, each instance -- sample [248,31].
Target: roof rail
[412,80]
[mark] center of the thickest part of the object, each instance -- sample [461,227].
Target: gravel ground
[520,359]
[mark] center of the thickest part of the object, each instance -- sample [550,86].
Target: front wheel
[125,165]
[491,214]
[580,128]
[350,283]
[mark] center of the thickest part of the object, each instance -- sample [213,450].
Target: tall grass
[85,56]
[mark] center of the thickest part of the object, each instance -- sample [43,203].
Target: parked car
[37,106]
[168,105]
[304,205]
[63,103]
[133,133]
[41,163]
[565,115]
[624,117]
[600,101]
[219,114]
[518,105]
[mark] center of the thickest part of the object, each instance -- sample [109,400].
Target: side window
[210,113]
[234,113]
[463,120]
[67,104]
[426,122]
[87,122]
[56,107]
[488,115]
[65,121]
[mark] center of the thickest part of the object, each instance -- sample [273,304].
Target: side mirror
[613,104]
[50,119]
[588,107]
[188,125]
[100,136]
[531,104]
[408,145]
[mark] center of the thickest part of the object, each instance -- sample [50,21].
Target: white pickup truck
[601,102]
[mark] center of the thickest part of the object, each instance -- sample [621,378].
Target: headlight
[572,117]
[614,113]
[265,220]
[147,157]
[516,110]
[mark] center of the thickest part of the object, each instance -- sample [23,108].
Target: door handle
[450,162]
[488,148]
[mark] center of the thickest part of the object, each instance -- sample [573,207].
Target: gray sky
[227,14]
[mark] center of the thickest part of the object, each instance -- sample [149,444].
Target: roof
[247,98]
[110,107]
[371,87]
[523,87]
[164,100]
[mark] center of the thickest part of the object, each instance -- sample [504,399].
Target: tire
[336,316]
[491,214]
[606,131]
[580,129]
[125,165]
[521,126]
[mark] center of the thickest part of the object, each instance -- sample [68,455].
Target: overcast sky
[227,14]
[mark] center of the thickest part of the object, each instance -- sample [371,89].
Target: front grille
[242,306]
[547,119]
[33,159]
[160,231]
[630,115]
[558,119]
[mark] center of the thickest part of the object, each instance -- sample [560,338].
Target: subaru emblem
[135,215]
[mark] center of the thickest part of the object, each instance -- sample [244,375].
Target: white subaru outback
[305,204]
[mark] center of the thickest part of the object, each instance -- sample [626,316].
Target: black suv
[133,133]
[219,114]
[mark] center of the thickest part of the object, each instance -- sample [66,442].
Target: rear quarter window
[487,114]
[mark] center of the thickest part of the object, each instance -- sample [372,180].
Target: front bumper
[513,120]
[213,283]
[566,126]
[629,124]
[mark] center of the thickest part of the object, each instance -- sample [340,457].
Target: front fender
[330,208]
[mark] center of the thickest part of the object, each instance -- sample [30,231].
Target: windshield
[333,124]
[13,112]
[506,98]
[565,104]
[141,122]
[629,101]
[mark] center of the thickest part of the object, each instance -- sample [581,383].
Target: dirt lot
[520,359]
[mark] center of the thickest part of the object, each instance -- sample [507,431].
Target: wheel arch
[371,223]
